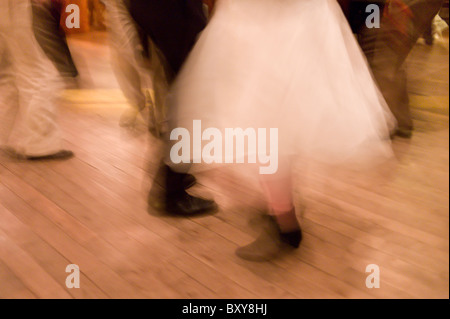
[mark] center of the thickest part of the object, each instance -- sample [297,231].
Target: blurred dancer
[96,14]
[52,38]
[133,55]
[209,6]
[28,82]
[387,48]
[296,68]
[173,26]
[428,34]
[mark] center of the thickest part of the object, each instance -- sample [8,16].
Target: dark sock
[287,222]
[289,228]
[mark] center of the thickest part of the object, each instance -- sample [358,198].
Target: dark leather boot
[166,176]
[183,204]
[168,194]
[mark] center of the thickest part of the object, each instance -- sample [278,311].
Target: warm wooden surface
[92,211]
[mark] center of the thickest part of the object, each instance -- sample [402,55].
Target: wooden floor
[92,211]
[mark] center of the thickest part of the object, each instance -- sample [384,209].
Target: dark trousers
[173,25]
[388,47]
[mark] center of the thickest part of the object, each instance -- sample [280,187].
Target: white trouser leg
[9,95]
[36,81]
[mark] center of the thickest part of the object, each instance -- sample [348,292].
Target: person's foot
[183,204]
[429,39]
[270,243]
[166,176]
[180,203]
[169,194]
[266,247]
[60,155]
[128,118]
[71,82]
[404,132]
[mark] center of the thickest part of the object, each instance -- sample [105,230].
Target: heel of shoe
[292,238]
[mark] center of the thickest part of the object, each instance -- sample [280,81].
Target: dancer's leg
[282,229]
[278,191]
[173,26]
[51,38]
[38,83]
[125,44]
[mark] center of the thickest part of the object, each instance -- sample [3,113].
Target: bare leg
[278,192]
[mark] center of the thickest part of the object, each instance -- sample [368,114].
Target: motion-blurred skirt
[293,65]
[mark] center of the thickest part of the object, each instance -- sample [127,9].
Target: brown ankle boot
[270,243]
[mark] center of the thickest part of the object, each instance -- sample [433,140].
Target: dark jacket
[173,25]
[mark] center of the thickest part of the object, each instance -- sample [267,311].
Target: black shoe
[292,238]
[183,204]
[169,194]
[167,177]
[61,155]
[188,180]
[404,132]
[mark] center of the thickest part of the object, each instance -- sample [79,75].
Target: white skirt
[289,65]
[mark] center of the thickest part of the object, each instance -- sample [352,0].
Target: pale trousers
[29,84]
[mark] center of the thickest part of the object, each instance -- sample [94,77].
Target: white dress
[293,65]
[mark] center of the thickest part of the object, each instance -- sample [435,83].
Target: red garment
[398,14]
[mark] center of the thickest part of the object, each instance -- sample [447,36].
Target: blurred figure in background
[387,48]
[96,14]
[29,83]
[134,59]
[52,38]
[428,34]
[209,6]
